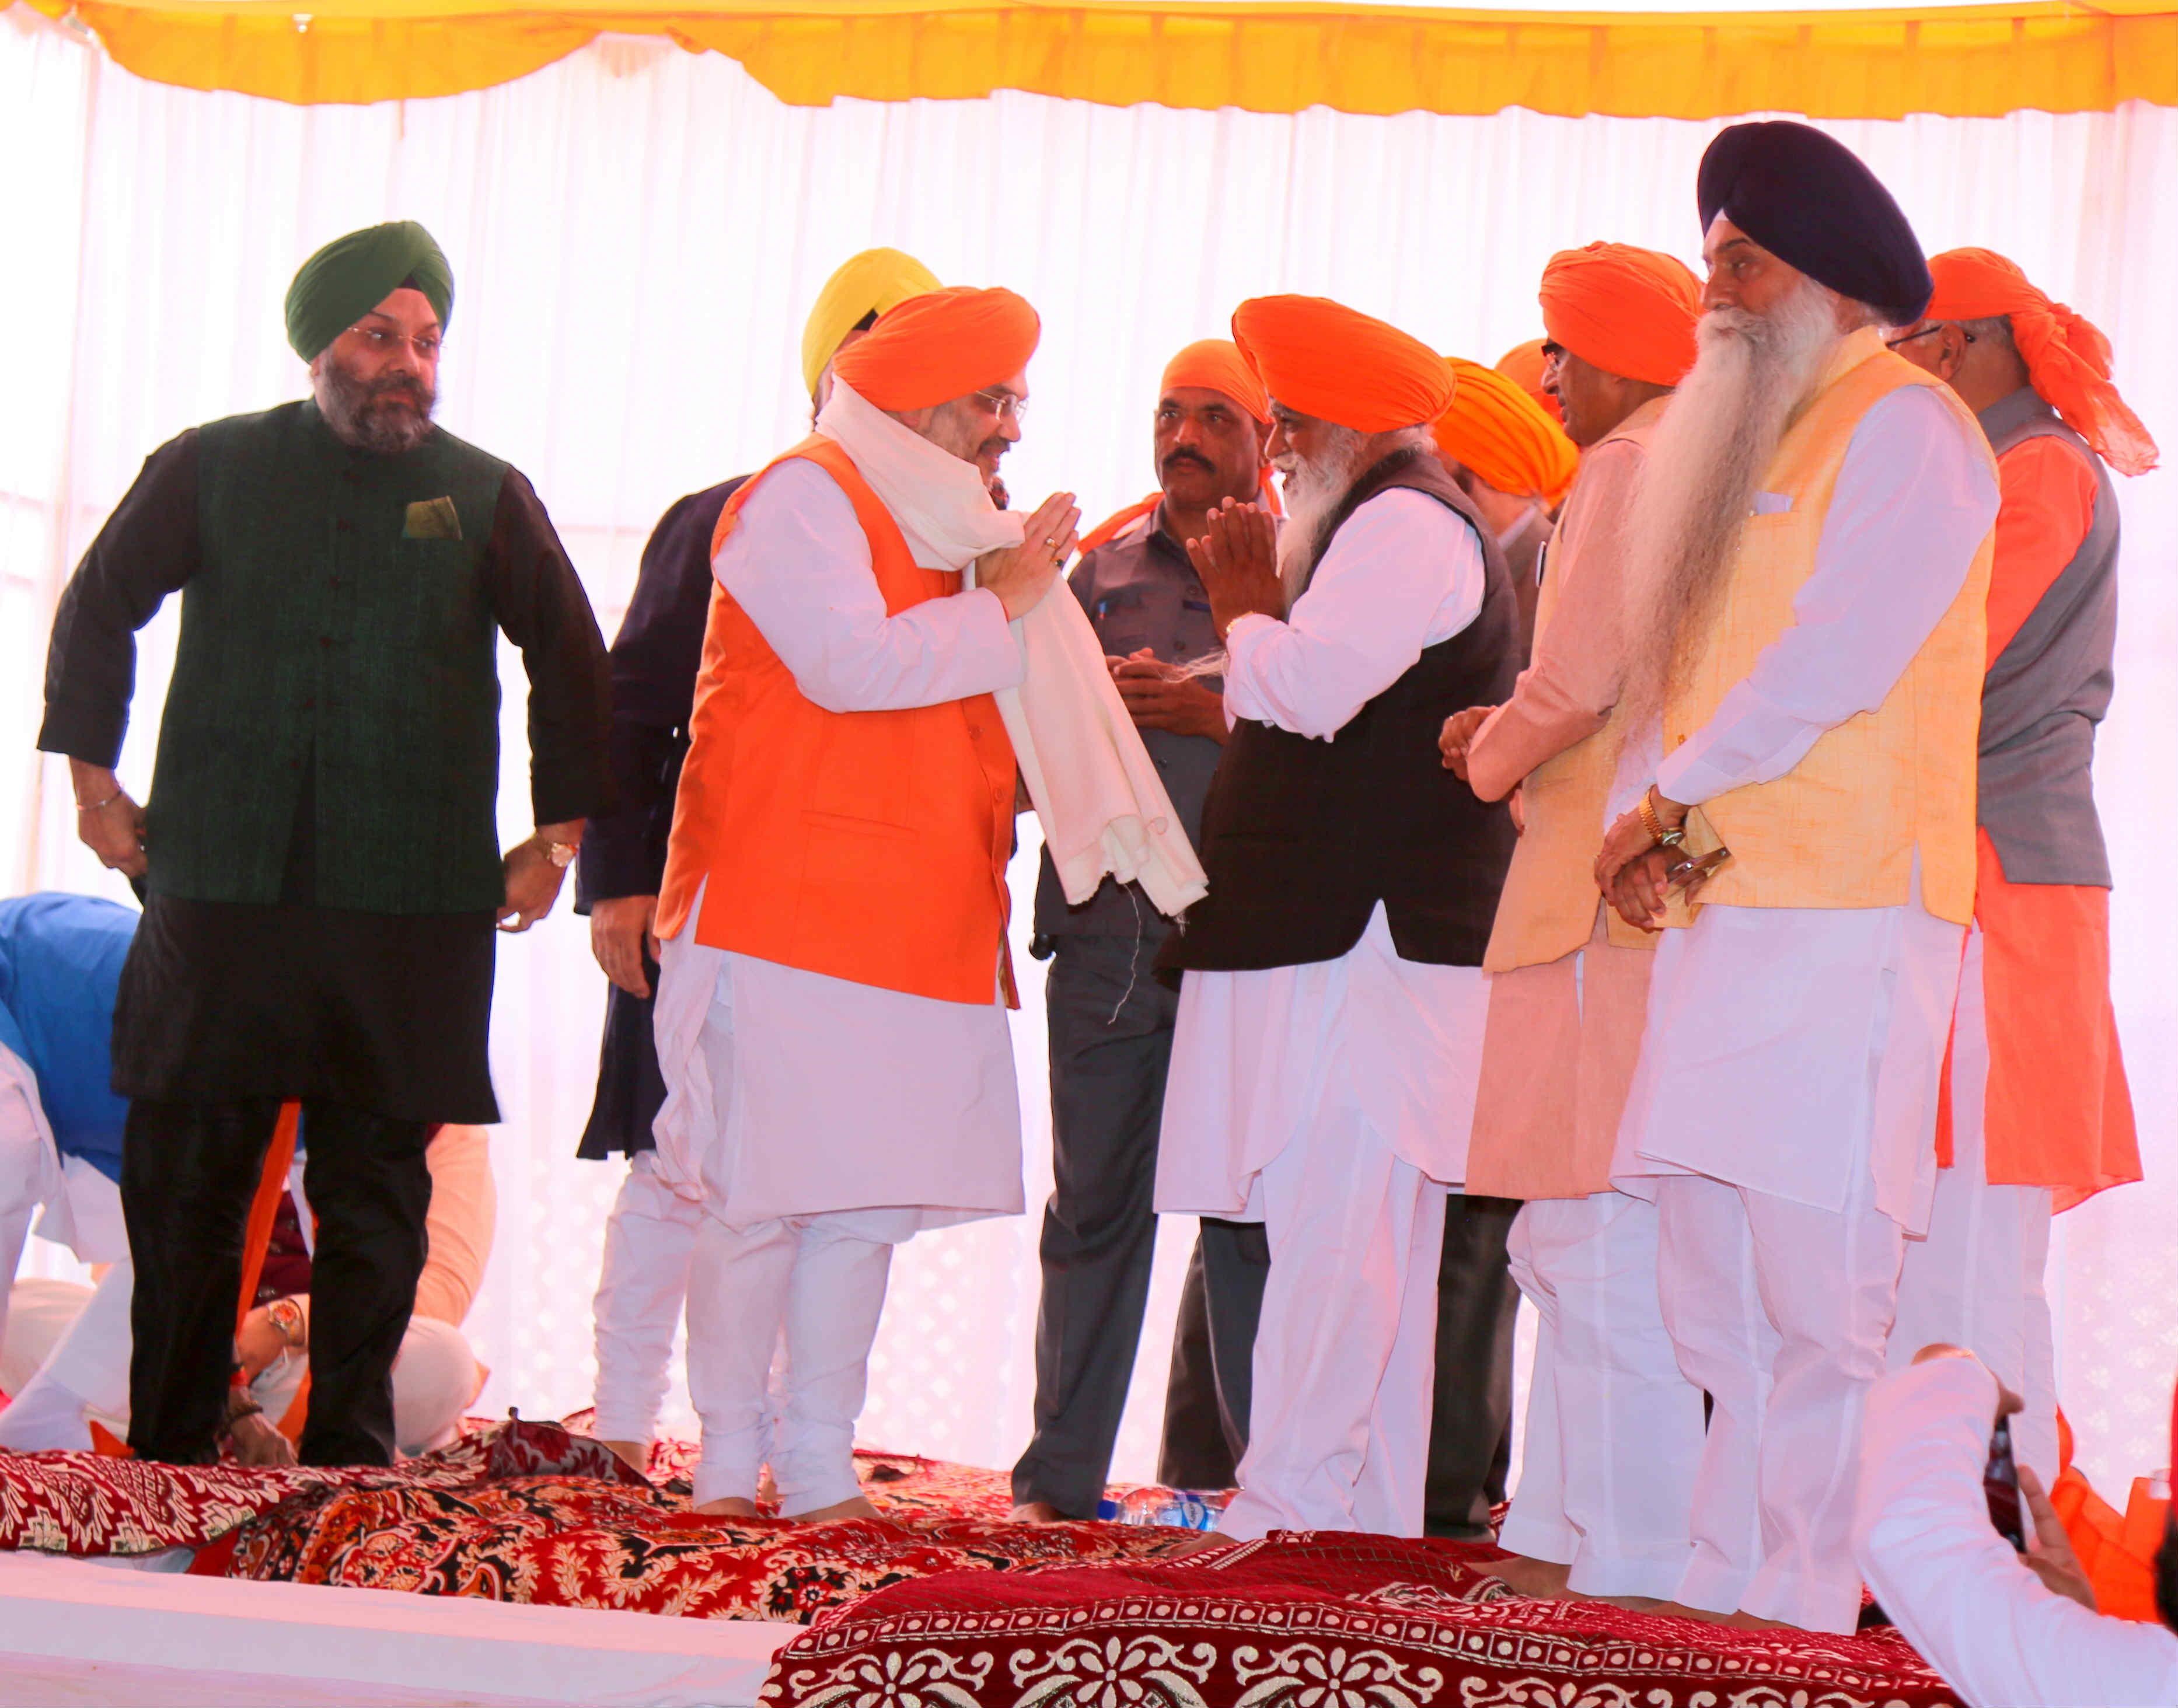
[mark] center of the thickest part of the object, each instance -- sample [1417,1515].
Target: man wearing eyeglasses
[2039,1117]
[319,853]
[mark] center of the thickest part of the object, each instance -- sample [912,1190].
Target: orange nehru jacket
[1841,828]
[870,847]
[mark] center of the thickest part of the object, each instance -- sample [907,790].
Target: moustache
[1183,458]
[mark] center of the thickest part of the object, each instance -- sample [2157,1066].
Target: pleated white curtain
[636,234]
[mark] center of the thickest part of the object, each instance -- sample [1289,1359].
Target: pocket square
[432,518]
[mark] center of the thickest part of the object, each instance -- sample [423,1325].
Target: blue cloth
[60,966]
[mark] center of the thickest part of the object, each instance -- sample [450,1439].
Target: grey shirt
[1139,591]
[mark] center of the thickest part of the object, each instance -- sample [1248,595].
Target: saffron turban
[1494,429]
[1810,201]
[2068,359]
[939,346]
[1320,358]
[1216,364]
[1524,364]
[1628,311]
[351,275]
[872,283]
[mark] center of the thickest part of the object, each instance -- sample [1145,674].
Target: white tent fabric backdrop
[637,233]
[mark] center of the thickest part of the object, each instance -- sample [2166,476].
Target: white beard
[1706,460]
[1313,489]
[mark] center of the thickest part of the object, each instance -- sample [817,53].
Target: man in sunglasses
[320,849]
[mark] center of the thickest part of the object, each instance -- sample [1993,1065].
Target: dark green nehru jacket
[337,632]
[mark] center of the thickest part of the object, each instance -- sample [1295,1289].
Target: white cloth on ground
[641,1284]
[791,1094]
[1625,1426]
[1097,793]
[1346,1346]
[1778,1310]
[1955,1588]
[811,1289]
[1976,1278]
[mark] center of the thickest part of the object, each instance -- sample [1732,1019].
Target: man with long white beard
[833,981]
[1815,520]
[1331,1013]
[320,845]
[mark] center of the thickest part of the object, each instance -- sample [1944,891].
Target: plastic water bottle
[1177,1508]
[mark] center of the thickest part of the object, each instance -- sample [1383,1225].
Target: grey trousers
[1471,1428]
[1110,1027]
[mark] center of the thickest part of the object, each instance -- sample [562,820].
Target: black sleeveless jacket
[1301,838]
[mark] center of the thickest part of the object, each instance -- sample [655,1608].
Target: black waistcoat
[1301,839]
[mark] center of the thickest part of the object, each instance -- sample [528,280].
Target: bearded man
[320,846]
[1816,515]
[2039,1116]
[1614,1430]
[834,983]
[643,1278]
[1110,1022]
[1330,1012]
[1516,464]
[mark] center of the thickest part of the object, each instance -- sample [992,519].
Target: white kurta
[792,1094]
[1258,1058]
[1764,1022]
[1955,1587]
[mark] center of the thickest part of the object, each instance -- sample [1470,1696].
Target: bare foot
[1036,1512]
[1539,1580]
[729,1507]
[854,1507]
[634,1455]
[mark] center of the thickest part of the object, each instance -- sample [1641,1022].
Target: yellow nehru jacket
[1841,828]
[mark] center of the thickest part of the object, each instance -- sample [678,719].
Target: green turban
[351,275]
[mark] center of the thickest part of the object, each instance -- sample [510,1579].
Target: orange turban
[1630,312]
[1216,364]
[2068,361]
[942,345]
[1319,358]
[1494,428]
[1524,364]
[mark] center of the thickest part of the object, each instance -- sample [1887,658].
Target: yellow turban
[1494,429]
[866,284]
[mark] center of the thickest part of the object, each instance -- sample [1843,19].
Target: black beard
[368,413]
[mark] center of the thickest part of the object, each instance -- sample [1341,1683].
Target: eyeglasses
[1006,406]
[381,342]
[1933,327]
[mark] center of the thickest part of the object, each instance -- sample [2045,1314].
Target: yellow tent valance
[1967,61]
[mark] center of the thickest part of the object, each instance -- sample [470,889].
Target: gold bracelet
[1653,822]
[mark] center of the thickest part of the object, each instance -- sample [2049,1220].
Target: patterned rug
[1312,1621]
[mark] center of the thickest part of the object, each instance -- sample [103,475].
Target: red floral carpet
[939,1602]
[1311,1621]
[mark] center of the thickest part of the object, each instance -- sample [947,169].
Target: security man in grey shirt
[1111,1021]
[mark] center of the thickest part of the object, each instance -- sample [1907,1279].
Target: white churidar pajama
[1331,1101]
[820,1122]
[641,1287]
[1614,1507]
[1786,1093]
[1975,1279]
[1958,1593]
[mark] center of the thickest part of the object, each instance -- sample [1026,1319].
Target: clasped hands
[1022,575]
[1237,560]
[1632,869]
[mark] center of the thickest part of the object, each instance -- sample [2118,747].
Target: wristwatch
[561,854]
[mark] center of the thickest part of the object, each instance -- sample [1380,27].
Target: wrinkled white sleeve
[1956,1589]
[1914,499]
[799,564]
[1403,573]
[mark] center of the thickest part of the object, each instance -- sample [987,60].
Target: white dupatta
[1095,788]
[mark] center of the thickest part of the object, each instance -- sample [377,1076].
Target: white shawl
[1096,789]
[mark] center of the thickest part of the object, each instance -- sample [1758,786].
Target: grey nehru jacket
[1139,591]
[2050,687]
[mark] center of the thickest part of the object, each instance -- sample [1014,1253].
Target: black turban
[351,275]
[1809,200]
